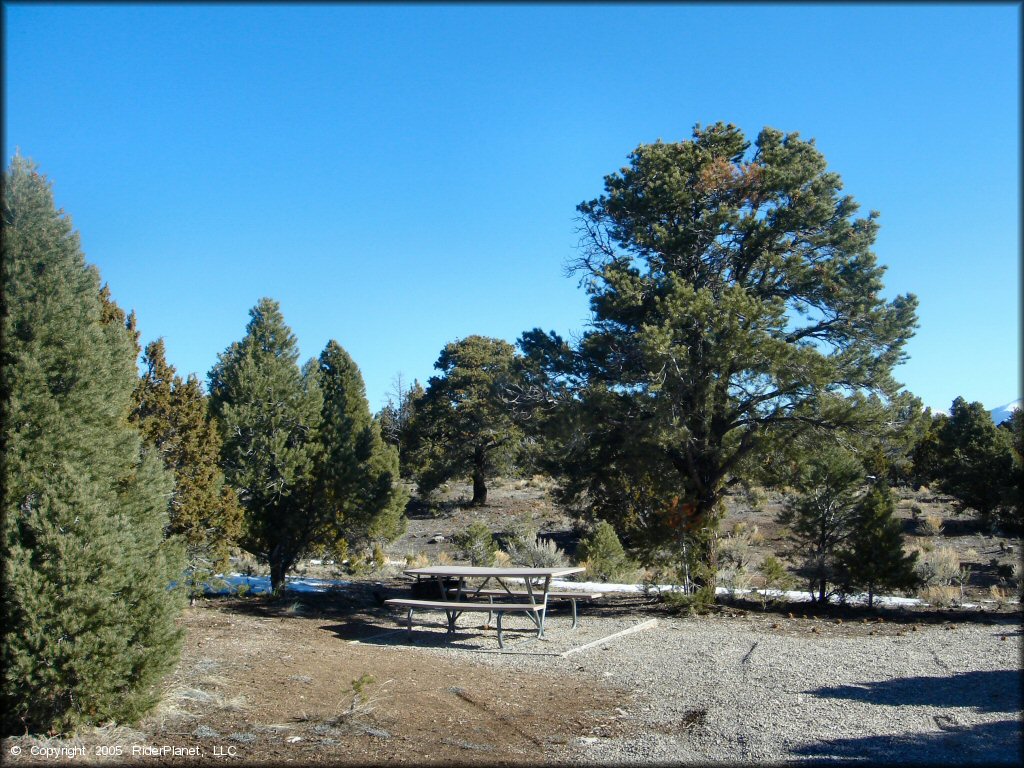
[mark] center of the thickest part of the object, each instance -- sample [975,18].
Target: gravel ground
[757,688]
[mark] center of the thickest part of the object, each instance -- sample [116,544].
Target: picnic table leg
[538,620]
[572,600]
[408,620]
[544,610]
[500,643]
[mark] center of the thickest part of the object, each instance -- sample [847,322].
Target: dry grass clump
[937,567]
[930,524]
[939,596]
[418,560]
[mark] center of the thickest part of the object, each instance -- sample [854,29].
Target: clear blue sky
[402,176]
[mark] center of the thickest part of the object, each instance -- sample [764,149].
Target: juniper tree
[463,424]
[173,417]
[603,554]
[268,412]
[873,558]
[736,304]
[357,497]
[88,619]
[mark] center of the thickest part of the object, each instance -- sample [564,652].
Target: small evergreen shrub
[477,544]
[773,576]
[698,602]
[604,557]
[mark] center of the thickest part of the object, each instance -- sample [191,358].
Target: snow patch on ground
[233,583]
[791,596]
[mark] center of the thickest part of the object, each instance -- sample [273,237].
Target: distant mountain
[1003,412]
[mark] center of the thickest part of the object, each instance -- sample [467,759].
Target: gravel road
[761,688]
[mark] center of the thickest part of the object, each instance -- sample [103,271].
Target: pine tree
[737,304]
[268,412]
[88,620]
[873,558]
[357,472]
[463,424]
[819,519]
[173,417]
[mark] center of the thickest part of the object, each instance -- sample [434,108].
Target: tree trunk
[279,565]
[479,483]
[479,489]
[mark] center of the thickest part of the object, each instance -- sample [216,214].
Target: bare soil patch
[272,683]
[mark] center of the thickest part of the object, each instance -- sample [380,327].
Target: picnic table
[532,589]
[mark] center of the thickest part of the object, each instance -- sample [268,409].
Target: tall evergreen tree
[736,305]
[269,412]
[873,558]
[357,472]
[173,417]
[976,464]
[396,423]
[463,424]
[88,620]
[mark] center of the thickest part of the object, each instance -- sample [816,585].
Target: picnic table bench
[572,597]
[451,599]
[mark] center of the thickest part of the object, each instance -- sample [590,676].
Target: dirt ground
[276,683]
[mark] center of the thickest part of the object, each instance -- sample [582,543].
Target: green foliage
[268,412]
[477,543]
[301,448]
[605,558]
[774,576]
[396,424]
[174,419]
[735,552]
[873,558]
[927,454]
[978,465]
[356,472]
[696,603]
[737,306]
[88,619]
[463,423]
[820,518]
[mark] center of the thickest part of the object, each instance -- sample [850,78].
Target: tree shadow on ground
[995,743]
[996,690]
[426,633]
[340,601]
[853,612]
